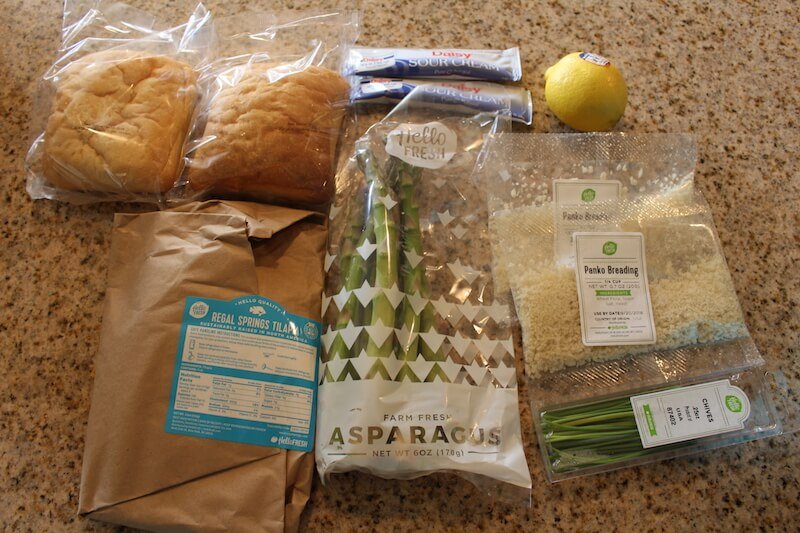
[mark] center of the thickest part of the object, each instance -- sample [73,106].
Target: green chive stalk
[592,435]
[386,254]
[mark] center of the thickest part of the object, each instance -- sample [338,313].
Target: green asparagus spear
[413,277]
[353,275]
[386,258]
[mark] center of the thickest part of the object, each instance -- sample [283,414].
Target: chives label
[687,413]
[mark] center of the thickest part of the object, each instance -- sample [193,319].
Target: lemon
[586,92]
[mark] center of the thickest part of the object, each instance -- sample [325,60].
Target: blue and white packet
[467,95]
[245,372]
[453,63]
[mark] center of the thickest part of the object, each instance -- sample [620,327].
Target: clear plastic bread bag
[272,107]
[418,370]
[114,111]
[622,291]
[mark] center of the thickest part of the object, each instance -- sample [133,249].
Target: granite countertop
[725,73]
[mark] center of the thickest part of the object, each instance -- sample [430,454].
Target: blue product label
[477,95]
[245,371]
[496,65]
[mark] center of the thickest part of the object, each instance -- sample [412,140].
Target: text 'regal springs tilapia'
[418,371]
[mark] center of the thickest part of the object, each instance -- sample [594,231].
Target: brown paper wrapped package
[136,474]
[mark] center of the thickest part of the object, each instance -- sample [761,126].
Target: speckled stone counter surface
[725,71]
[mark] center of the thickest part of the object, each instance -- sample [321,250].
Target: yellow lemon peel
[586,92]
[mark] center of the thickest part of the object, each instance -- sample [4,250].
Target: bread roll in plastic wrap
[271,135]
[119,123]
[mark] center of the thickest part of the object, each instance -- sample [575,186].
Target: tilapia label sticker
[246,372]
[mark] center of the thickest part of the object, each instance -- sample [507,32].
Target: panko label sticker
[578,206]
[613,293]
[245,371]
[430,145]
[687,413]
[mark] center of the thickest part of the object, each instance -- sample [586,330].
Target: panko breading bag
[119,105]
[273,105]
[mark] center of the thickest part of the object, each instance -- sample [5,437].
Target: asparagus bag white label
[571,198]
[411,429]
[613,293]
[430,145]
[688,413]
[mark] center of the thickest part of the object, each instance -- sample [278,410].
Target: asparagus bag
[634,340]
[418,370]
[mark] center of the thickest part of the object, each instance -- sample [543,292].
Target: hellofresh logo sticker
[610,248]
[733,404]
[430,145]
[588,195]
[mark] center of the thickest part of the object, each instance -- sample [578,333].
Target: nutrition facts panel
[245,399]
[287,405]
